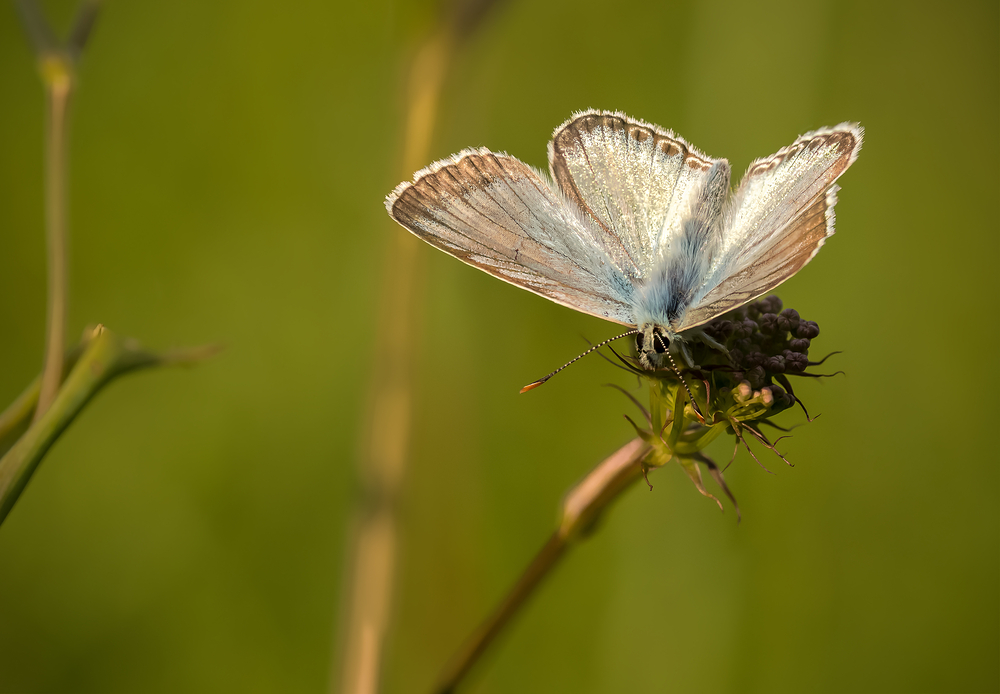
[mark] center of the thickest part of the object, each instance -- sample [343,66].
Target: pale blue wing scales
[776,221]
[497,214]
[635,180]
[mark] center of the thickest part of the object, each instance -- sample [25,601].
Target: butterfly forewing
[776,221]
[635,180]
[496,213]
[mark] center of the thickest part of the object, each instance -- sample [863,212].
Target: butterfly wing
[636,181]
[498,214]
[776,221]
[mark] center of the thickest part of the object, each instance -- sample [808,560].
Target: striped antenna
[535,384]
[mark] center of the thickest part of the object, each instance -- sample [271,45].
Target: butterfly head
[652,344]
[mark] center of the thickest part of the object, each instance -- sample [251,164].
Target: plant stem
[374,533]
[14,421]
[57,74]
[104,357]
[581,509]
[366,605]
[57,64]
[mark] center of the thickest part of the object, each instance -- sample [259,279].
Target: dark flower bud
[753,310]
[808,329]
[781,398]
[800,344]
[791,314]
[744,345]
[737,375]
[771,304]
[756,376]
[775,365]
[754,359]
[736,357]
[782,324]
[766,345]
[740,314]
[796,362]
[723,329]
[768,323]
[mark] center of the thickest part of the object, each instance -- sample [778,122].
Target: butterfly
[635,225]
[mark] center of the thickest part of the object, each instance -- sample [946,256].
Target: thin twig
[104,357]
[101,355]
[57,64]
[580,510]
[83,25]
[43,42]
[370,577]
[14,420]
[59,85]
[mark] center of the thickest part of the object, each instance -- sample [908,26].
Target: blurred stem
[57,74]
[374,536]
[101,355]
[371,565]
[104,356]
[57,64]
[581,509]
[14,421]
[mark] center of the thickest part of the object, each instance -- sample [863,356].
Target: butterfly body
[635,226]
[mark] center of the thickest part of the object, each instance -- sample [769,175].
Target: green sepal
[694,472]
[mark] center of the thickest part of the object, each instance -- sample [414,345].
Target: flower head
[741,381]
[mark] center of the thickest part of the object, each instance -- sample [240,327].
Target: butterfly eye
[659,343]
[639,338]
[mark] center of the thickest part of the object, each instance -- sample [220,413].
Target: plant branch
[59,85]
[83,25]
[16,419]
[104,356]
[57,65]
[371,571]
[43,42]
[581,509]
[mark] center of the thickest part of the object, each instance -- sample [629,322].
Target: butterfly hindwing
[635,180]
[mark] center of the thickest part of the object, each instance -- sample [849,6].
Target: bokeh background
[229,161]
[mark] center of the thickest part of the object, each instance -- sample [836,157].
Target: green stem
[15,420]
[680,422]
[57,74]
[105,357]
[581,509]
[57,63]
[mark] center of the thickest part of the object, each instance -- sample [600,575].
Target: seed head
[735,389]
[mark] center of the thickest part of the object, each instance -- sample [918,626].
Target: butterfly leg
[710,341]
[686,353]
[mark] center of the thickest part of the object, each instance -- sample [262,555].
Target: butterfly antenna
[535,384]
[677,371]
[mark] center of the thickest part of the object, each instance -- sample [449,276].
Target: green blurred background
[229,162]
